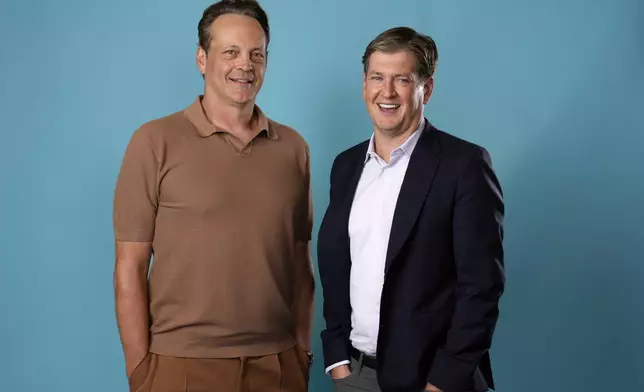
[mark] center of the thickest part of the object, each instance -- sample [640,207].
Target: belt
[367,360]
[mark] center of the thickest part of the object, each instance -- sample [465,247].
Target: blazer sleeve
[480,277]
[334,267]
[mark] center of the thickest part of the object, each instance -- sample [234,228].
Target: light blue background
[553,89]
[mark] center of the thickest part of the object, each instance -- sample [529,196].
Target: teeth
[384,106]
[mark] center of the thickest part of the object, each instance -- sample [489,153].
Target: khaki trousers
[284,372]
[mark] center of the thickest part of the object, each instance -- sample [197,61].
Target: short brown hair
[249,8]
[404,38]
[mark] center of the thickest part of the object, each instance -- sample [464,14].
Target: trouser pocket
[140,374]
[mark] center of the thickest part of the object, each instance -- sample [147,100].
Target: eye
[404,80]
[376,77]
[258,56]
[229,52]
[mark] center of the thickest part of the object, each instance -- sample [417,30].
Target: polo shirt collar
[204,128]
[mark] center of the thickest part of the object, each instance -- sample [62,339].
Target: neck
[237,119]
[387,141]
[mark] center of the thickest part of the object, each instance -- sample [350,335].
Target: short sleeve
[136,193]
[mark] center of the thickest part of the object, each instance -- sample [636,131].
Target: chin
[242,98]
[388,124]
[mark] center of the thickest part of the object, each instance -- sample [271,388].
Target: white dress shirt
[370,222]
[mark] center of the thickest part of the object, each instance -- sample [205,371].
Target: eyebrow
[406,75]
[237,47]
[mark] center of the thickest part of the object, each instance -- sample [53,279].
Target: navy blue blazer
[444,269]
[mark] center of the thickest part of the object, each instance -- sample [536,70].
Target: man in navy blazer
[410,250]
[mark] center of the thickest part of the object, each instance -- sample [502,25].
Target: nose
[388,90]
[244,63]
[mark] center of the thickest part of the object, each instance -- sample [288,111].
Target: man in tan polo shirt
[220,195]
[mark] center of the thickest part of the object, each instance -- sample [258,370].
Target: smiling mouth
[388,107]
[242,82]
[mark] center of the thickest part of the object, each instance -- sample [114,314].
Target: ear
[201,60]
[364,86]
[428,88]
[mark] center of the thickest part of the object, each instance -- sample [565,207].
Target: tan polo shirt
[224,220]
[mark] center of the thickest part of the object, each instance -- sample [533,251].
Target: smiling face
[235,63]
[393,91]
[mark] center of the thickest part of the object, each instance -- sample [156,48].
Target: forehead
[240,30]
[402,62]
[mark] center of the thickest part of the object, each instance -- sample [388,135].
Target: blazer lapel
[418,179]
[357,165]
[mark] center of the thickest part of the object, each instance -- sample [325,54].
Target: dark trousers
[362,379]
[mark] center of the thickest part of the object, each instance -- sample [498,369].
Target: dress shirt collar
[406,148]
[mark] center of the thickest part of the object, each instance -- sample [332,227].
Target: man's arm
[135,208]
[304,280]
[480,280]
[131,298]
[339,370]
[304,289]
[334,276]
